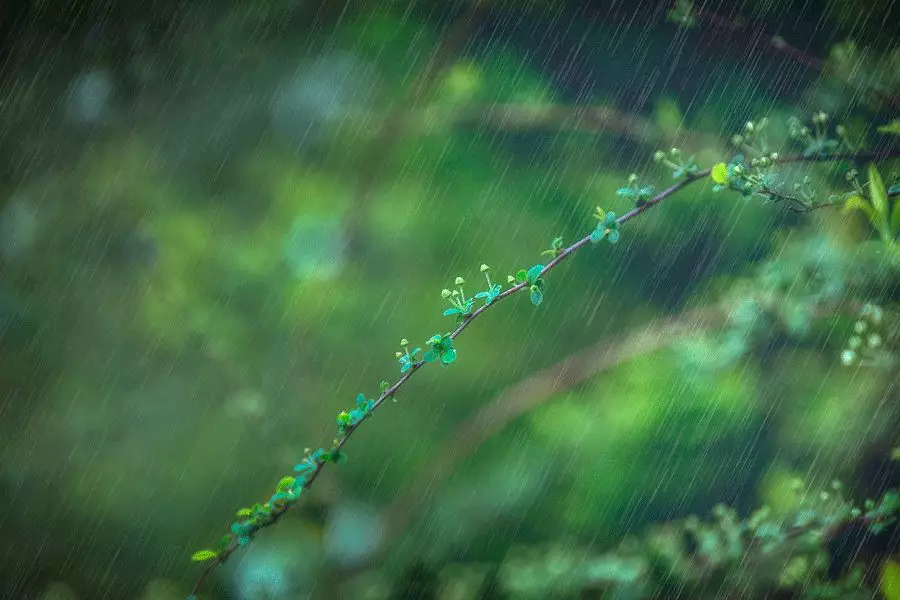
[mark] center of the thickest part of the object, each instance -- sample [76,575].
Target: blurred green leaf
[892,128]
[203,555]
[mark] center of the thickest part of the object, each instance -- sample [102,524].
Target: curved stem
[392,390]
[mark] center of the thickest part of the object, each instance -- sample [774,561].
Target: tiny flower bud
[454,293]
[774,156]
[841,130]
[659,156]
[632,178]
[874,341]
[459,281]
[398,354]
[674,151]
[404,342]
[748,126]
[848,357]
[510,279]
[737,140]
[445,293]
[484,268]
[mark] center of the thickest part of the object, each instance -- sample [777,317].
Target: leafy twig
[317,461]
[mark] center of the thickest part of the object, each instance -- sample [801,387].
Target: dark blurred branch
[780,45]
[555,118]
[344,437]
[536,390]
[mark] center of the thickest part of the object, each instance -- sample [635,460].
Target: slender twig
[391,391]
[556,118]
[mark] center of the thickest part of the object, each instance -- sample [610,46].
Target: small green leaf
[533,273]
[244,512]
[203,555]
[891,128]
[719,173]
[522,275]
[285,484]
[537,296]
[856,202]
[880,203]
[878,191]
[448,357]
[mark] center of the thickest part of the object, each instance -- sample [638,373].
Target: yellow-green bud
[748,126]
[632,178]
[510,279]
[398,354]
[774,156]
[404,342]
[484,268]
[445,293]
[459,281]
[659,156]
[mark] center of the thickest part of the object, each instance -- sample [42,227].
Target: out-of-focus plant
[872,340]
[818,549]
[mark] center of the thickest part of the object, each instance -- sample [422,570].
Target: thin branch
[342,439]
[553,117]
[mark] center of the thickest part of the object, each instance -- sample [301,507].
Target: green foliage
[818,140]
[876,205]
[674,160]
[442,350]
[892,128]
[348,420]
[203,555]
[638,194]
[682,14]
[493,289]
[536,284]
[407,361]
[556,248]
[607,227]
